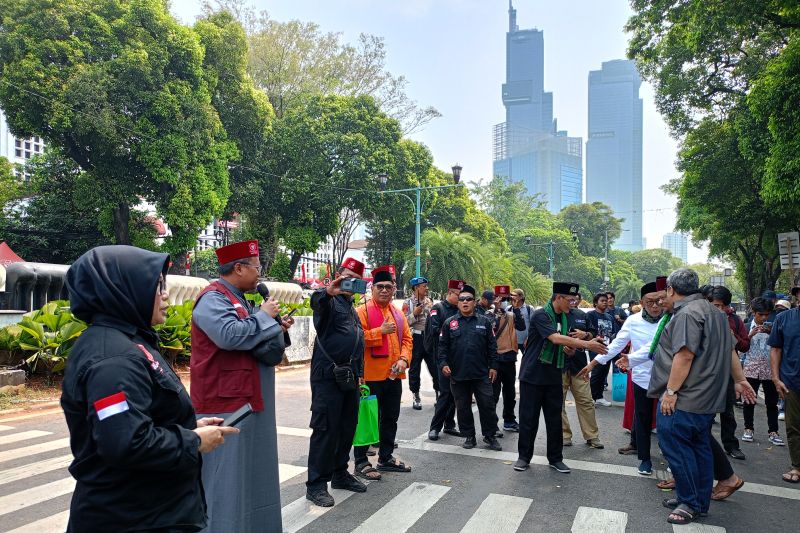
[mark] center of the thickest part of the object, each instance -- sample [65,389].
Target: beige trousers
[584,405]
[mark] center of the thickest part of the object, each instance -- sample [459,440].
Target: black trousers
[462,393]
[334,415]
[388,393]
[770,402]
[506,383]
[418,355]
[642,421]
[598,380]
[444,413]
[533,400]
[727,421]
[722,466]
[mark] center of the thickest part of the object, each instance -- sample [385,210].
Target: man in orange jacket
[387,354]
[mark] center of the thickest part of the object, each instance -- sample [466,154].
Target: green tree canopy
[120,86]
[590,222]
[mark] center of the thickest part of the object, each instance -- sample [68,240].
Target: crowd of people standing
[139,437]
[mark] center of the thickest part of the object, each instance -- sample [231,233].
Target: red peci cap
[661,283]
[502,290]
[354,265]
[389,273]
[455,284]
[237,250]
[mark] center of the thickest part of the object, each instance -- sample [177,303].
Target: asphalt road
[449,489]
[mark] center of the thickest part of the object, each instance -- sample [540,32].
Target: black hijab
[116,281]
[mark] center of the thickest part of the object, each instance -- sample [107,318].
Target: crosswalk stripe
[294,432]
[499,514]
[301,512]
[287,472]
[5,428]
[28,451]
[32,469]
[56,523]
[694,527]
[23,435]
[593,520]
[403,511]
[35,495]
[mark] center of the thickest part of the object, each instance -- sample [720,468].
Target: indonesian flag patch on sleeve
[111,405]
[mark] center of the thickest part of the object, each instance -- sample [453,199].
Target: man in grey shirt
[691,368]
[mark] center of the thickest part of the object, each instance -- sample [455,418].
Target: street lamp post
[551,251]
[383,178]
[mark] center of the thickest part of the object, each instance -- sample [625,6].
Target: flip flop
[725,491]
[666,484]
[672,503]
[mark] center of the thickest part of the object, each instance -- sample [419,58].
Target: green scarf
[547,351]
[661,325]
[647,318]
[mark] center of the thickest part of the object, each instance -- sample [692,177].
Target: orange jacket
[378,368]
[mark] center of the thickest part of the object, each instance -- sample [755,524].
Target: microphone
[263,290]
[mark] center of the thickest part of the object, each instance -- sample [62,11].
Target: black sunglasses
[466,298]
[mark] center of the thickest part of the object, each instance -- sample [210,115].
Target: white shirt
[640,333]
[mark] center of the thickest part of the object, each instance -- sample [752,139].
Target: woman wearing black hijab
[132,427]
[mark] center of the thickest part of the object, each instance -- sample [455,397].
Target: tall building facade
[614,147]
[677,244]
[528,146]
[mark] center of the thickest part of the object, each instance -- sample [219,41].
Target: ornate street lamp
[457,173]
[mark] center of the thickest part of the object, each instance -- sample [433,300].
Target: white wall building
[17,150]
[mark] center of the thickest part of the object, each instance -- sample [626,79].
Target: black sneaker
[348,482]
[469,443]
[433,435]
[560,467]
[319,497]
[521,465]
[452,431]
[417,404]
[492,443]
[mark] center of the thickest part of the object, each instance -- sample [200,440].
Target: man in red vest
[241,483]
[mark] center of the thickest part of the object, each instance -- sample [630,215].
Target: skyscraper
[614,147]
[677,244]
[528,146]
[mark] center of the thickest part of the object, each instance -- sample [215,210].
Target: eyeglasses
[258,268]
[162,285]
[652,303]
[384,287]
[466,299]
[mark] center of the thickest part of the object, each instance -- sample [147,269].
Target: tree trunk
[179,264]
[122,217]
[294,261]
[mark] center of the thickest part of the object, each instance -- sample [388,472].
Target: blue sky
[453,54]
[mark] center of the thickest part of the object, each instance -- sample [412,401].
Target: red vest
[222,380]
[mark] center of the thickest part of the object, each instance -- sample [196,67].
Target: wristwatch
[671,392]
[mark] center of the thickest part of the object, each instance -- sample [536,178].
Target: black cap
[648,288]
[489,295]
[383,275]
[468,288]
[565,288]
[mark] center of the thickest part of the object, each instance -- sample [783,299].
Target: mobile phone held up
[353,285]
[237,416]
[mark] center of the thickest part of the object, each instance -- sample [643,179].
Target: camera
[353,285]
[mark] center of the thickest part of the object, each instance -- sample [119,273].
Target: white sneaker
[602,402]
[781,416]
[747,436]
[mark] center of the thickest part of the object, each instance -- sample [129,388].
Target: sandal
[684,514]
[792,476]
[666,484]
[393,465]
[672,503]
[366,471]
[723,491]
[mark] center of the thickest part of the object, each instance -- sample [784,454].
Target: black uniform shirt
[137,460]
[339,330]
[433,326]
[468,346]
[577,320]
[532,370]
